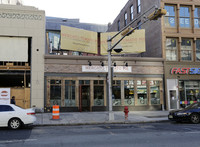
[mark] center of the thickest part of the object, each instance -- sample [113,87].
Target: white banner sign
[122,69]
[4,95]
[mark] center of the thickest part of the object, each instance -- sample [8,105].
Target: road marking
[13,141]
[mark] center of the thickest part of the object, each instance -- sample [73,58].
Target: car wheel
[14,123]
[195,118]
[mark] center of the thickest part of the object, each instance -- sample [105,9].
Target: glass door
[84,104]
[173,99]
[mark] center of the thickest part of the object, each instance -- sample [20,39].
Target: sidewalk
[85,118]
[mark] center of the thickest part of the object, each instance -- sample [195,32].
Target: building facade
[174,37]
[77,81]
[22,50]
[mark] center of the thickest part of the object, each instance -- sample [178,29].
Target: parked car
[14,117]
[190,113]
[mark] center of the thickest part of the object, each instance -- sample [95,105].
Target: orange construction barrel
[55,112]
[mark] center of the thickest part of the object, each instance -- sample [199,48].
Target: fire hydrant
[126,112]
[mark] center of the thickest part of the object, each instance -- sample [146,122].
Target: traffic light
[157,14]
[127,31]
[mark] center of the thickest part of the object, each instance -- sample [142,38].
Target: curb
[101,123]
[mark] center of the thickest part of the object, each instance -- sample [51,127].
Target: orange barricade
[55,112]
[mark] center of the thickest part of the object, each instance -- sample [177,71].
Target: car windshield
[192,106]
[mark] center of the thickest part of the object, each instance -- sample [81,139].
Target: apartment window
[118,25]
[171,49]
[186,50]
[125,19]
[198,49]
[170,16]
[184,17]
[197,18]
[131,14]
[138,6]
[53,40]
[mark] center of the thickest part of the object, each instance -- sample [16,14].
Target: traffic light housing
[157,14]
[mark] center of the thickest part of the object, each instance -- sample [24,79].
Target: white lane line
[13,141]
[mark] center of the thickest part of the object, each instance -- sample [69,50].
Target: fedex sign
[184,71]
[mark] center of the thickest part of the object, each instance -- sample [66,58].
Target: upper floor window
[53,40]
[185,17]
[131,14]
[118,25]
[171,49]
[186,50]
[197,18]
[170,16]
[198,49]
[125,19]
[138,6]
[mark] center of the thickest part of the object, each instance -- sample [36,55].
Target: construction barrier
[55,112]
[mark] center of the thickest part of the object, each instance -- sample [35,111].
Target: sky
[87,11]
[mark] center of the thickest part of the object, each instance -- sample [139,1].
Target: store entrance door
[84,98]
[173,99]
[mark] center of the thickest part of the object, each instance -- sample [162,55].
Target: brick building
[176,38]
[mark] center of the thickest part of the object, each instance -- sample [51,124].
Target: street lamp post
[125,32]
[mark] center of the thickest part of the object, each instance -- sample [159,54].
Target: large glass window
[185,17]
[197,18]
[155,92]
[198,49]
[116,97]
[186,50]
[171,49]
[189,92]
[125,19]
[54,40]
[98,93]
[138,6]
[142,92]
[55,92]
[131,14]
[70,93]
[129,92]
[170,20]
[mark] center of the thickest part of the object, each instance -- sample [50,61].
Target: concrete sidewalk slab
[83,118]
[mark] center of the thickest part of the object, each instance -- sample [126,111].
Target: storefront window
[142,92]
[186,50]
[171,49]
[55,92]
[197,18]
[116,97]
[155,92]
[198,49]
[129,92]
[189,92]
[170,16]
[70,93]
[98,93]
[184,17]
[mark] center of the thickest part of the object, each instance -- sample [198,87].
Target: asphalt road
[118,135]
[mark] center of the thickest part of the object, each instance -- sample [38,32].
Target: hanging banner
[134,43]
[78,40]
[4,95]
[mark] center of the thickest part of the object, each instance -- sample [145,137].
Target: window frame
[138,6]
[197,51]
[125,18]
[169,15]
[131,12]
[185,17]
[197,17]
[182,49]
[171,49]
